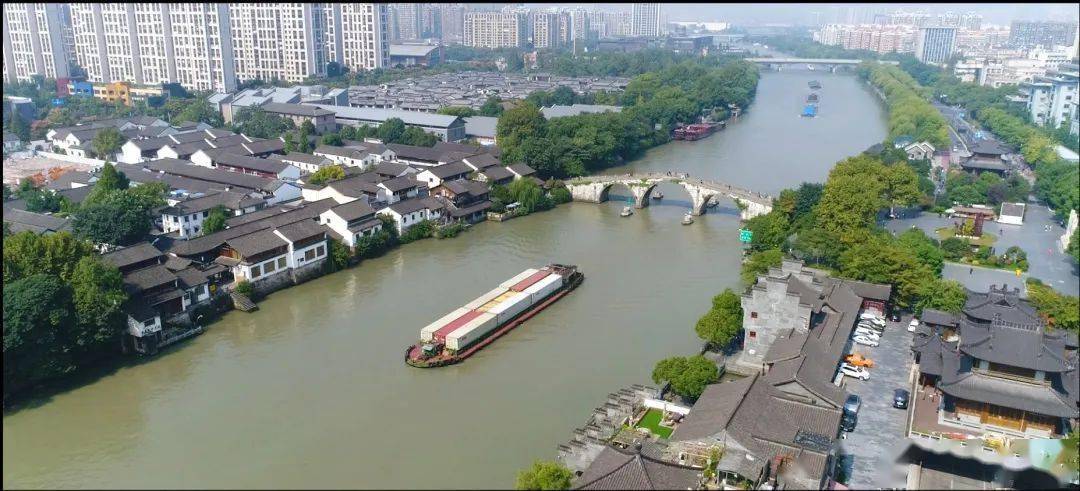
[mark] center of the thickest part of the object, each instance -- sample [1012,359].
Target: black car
[900,398]
[847,423]
[895,317]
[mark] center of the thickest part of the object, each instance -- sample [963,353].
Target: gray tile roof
[347,152]
[265,146]
[934,316]
[483,160]
[482,126]
[613,469]
[185,168]
[370,114]
[148,278]
[521,169]
[256,243]
[302,158]
[391,169]
[447,171]
[577,109]
[353,210]
[1012,209]
[713,410]
[227,199]
[415,204]
[496,173]
[295,109]
[412,49]
[268,218]
[303,229]
[255,163]
[134,254]
[400,183]
[20,220]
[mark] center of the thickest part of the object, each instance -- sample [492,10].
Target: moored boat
[461,333]
[658,195]
[814,84]
[626,211]
[809,111]
[812,98]
[688,218]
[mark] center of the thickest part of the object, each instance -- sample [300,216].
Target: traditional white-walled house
[348,156]
[186,217]
[919,151]
[306,163]
[271,168]
[399,188]
[412,211]
[364,187]
[262,255]
[521,170]
[434,176]
[351,221]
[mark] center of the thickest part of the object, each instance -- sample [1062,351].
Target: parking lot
[881,427]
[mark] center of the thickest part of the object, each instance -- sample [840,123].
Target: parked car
[865,341]
[848,421]
[852,404]
[912,325]
[859,360]
[862,331]
[868,316]
[854,371]
[873,327]
[895,317]
[900,398]
[877,321]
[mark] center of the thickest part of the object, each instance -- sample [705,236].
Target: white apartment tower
[152,43]
[284,41]
[34,42]
[646,19]
[935,44]
[495,29]
[365,36]
[406,21]
[545,29]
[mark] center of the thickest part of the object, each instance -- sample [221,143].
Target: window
[256,271]
[753,334]
[269,267]
[319,251]
[753,315]
[309,255]
[281,262]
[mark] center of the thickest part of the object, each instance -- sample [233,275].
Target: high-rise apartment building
[1052,99]
[452,22]
[935,44]
[365,36]
[544,27]
[34,42]
[871,37]
[284,41]
[971,21]
[1028,34]
[646,19]
[496,29]
[406,21]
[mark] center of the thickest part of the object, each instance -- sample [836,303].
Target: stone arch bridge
[594,189]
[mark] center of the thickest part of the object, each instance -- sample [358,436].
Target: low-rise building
[406,55]
[304,162]
[466,200]
[409,212]
[919,151]
[352,221]
[322,119]
[448,128]
[272,257]
[1012,213]
[186,217]
[1001,370]
[482,129]
[21,220]
[435,176]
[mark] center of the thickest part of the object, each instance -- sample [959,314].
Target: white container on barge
[428,332]
[544,287]
[475,329]
[485,298]
[512,306]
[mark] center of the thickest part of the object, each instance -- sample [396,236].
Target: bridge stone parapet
[594,189]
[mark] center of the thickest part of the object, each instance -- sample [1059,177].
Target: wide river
[311,390]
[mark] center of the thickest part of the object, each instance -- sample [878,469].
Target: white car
[854,371]
[865,341]
[868,315]
[912,325]
[877,321]
[871,326]
[862,331]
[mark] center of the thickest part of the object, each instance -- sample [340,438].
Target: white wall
[287,192]
[138,329]
[189,225]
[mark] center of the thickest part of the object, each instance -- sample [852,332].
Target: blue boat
[809,111]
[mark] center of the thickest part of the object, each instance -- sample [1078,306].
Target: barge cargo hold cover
[459,334]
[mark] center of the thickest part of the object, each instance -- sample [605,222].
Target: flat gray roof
[378,115]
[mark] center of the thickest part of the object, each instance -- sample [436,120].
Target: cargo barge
[461,333]
[697,131]
[814,84]
[809,111]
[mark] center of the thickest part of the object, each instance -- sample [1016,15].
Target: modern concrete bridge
[813,61]
[594,189]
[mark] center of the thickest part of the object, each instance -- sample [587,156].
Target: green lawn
[651,420]
[985,240]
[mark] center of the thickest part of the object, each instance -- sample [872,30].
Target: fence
[71,158]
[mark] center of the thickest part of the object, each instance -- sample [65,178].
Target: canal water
[311,390]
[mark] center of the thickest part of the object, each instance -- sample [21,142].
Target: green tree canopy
[107,142]
[391,130]
[327,174]
[688,375]
[37,312]
[544,476]
[758,264]
[215,220]
[723,321]
[944,295]
[255,122]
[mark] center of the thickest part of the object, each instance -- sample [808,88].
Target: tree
[1074,246]
[418,137]
[924,248]
[333,139]
[758,264]
[544,476]
[877,261]
[901,186]
[37,311]
[199,111]
[109,180]
[723,321]
[688,375]
[492,107]
[215,220]
[769,230]
[27,253]
[107,142]
[97,294]
[18,126]
[391,130]
[944,295]
[339,255]
[119,217]
[460,111]
[327,174]
[254,121]
[516,126]
[1059,311]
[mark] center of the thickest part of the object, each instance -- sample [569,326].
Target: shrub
[245,288]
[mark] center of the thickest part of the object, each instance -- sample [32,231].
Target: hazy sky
[794,13]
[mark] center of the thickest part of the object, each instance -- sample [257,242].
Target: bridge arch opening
[616,191]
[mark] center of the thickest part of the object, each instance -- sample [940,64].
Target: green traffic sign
[745,235]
